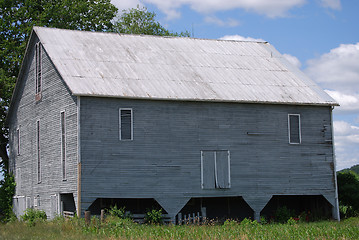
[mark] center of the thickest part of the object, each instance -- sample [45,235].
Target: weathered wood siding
[55,98]
[163,160]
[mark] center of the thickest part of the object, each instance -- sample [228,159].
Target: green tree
[141,21]
[17,17]
[7,191]
[348,189]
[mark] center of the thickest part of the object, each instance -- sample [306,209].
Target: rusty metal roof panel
[171,68]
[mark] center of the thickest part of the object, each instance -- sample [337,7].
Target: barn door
[215,169]
[222,169]
[208,169]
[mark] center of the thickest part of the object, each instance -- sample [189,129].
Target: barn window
[18,140]
[37,201]
[215,169]
[38,71]
[28,202]
[126,124]
[63,145]
[294,128]
[38,151]
[18,180]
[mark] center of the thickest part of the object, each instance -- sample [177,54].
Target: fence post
[87,217]
[102,215]
[179,218]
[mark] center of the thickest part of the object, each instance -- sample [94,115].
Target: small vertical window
[63,146]
[37,201]
[18,180]
[126,124]
[18,141]
[38,71]
[28,202]
[38,151]
[294,128]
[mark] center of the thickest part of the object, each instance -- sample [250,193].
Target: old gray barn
[224,128]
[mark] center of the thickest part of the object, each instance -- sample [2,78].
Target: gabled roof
[175,68]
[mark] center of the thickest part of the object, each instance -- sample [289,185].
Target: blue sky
[321,37]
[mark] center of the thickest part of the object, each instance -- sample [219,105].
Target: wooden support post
[204,214]
[257,216]
[87,217]
[102,215]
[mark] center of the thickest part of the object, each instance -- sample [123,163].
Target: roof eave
[210,100]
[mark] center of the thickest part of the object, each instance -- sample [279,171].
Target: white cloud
[274,8]
[338,72]
[230,22]
[241,38]
[346,144]
[333,4]
[125,4]
[342,128]
[292,59]
[348,103]
[338,69]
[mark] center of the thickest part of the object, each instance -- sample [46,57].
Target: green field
[125,229]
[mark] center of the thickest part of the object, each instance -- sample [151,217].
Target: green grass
[125,229]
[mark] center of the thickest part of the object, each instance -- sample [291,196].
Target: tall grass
[116,228]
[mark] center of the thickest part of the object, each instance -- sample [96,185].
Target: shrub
[230,223]
[264,220]
[154,216]
[291,221]
[283,214]
[7,191]
[32,216]
[117,212]
[248,222]
[348,190]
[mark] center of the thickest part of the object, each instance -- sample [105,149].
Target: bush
[283,214]
[154,216]
[32,216]
[230,223]
[248,222]
[348,190]
[117,212]
[291,221]
[7,191]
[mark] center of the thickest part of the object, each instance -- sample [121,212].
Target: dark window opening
[18,140]
[38,151]
[294,128]
[63,146]
[126,124]
[38,70]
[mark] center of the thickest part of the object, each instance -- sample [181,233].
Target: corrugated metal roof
[174,68]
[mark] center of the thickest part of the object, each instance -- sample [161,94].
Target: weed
[32,216]
[117,212]
[154,216]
